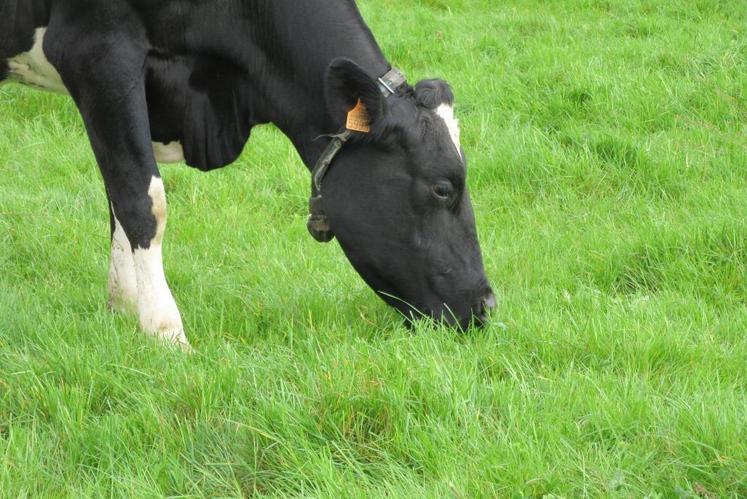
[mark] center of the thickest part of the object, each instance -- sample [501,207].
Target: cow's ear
[432,93]
[346,84]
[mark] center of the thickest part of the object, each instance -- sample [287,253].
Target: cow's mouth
[477,317]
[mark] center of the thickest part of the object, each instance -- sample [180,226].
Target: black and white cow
[172,80]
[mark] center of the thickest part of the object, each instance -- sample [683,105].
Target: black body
[204,72]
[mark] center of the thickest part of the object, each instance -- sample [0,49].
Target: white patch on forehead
[32,67]
[168,153]
[446,113]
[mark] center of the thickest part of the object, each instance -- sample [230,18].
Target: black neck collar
[318,224]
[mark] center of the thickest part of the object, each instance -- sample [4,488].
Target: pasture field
[608,167]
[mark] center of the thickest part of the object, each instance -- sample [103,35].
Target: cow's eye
[443,191]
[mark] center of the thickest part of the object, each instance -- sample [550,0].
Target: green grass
[608,147]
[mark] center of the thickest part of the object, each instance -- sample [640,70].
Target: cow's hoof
[166,326]
[175,338]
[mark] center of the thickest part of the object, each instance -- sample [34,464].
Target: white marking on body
[33,68]
[122,279]
[157,309]
[446,113]
[168,153]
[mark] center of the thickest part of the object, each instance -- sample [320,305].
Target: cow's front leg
[136,277]
[139,213]
[156,306]
[111,100]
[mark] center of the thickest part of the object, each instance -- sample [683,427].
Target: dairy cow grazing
[174,80]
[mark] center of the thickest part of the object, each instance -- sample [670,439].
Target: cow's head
[397,199]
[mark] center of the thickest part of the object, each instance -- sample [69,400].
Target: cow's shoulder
[203,102]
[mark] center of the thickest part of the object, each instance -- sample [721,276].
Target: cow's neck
[297,55]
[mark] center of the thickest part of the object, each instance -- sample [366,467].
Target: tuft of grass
[607,167]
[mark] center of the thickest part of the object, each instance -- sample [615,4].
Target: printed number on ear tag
[358,119]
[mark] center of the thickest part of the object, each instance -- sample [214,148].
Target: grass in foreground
[607,146]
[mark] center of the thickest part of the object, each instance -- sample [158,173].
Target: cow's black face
[397,200]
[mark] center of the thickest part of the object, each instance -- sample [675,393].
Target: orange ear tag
[358,119]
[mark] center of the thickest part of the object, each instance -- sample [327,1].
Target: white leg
[157,309]
[122,280]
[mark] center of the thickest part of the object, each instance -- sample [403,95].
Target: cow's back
[212,68]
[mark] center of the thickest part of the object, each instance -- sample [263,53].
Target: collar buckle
[391,82]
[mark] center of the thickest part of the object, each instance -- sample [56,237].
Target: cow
[163,81]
